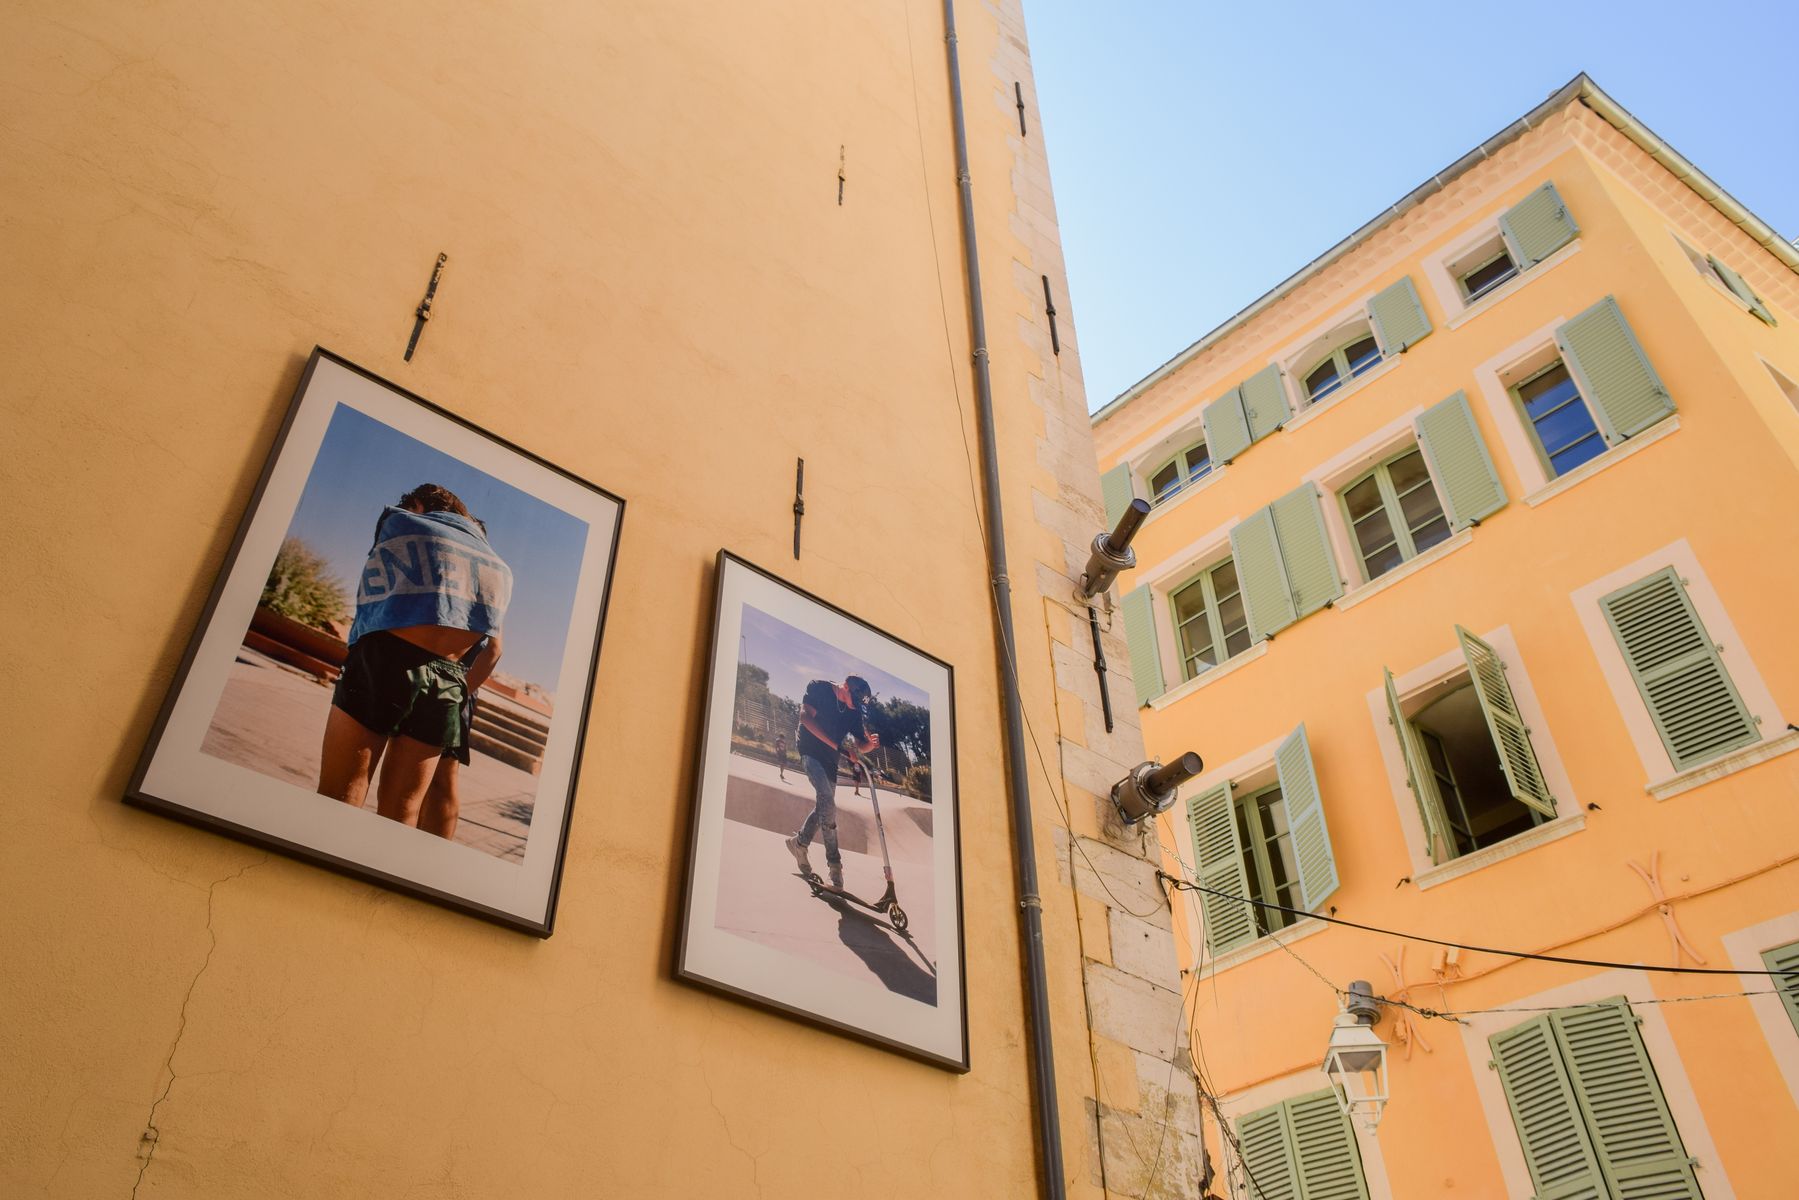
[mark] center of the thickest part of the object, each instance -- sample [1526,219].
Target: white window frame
[1744,948]
[1701,262]
[1299,356]
[1439,676]
[1167,578]
[1440,269]
[1155,452]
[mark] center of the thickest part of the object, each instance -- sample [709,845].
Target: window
[1394,513]
[1561,425]
[1268,863]
[1483,269]
[1589,1110]
[1353,358]
[1210,619]
[1787,387]
[1186,468]
[1469,759]
[1301,1149]
[1786,958]
[1727,279]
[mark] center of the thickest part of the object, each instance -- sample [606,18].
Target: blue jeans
[823,817]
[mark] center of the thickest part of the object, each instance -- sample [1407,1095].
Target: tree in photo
[302,588]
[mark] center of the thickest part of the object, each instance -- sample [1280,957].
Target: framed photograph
[393,673]
[824,872]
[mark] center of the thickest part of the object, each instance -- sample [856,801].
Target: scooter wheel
[817,885]
[897,917]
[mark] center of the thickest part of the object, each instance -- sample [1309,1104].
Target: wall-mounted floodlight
[1150,787]
[1112,552]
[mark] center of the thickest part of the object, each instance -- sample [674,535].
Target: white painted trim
[1455,868]
[1305,415]
[1492,380]
[1340,468]
[1186,493]
[1632,709]
[1183,564]
[1404,570]
[1175,695]
[1268,943]
[1512,286]
[1289,1087]
[1670,1071]
[1785,384]
[1606,458]
[1744,948]
[1730,764]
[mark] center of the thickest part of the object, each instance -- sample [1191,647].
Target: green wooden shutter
[1264,402]
[1330,1164]
[1305,549]
[1269,1161]
[1537,226]
[1115,486]
[1557,1149]
[1745,293]
[1398,317]
[1418,777]
[1459,462]
[1213,816]
[1267,599]
[1627,1118]
[1140,634]
[1786,958]
[1517,757]
[1227,426]
[1305,818]
[1612,372]
[1690,697]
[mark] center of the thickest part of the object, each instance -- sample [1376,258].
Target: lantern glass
[1355,1062]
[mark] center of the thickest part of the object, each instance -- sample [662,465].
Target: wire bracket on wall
[1018,90]
[799,503]
[1049,307]
[841,176]
[424,309]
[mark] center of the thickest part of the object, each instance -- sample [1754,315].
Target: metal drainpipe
[1030,905]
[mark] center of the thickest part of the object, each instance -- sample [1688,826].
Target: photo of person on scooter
[829,713]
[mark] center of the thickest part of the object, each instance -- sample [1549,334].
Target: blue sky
[1201,153]
[364,465]
[793,658]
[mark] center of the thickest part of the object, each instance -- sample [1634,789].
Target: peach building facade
[1470,573]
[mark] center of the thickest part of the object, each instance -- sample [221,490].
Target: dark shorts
[391,686]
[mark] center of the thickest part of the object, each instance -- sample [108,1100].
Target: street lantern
[1355,1061]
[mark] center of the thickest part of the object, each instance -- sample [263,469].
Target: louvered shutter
[1517,757]
[1612,372]
[1398,317]
[1557,1149]
[1537,226]
[1264,402]
[1418,777]
[1116,489]
[1267,599]
[1213,816]
[1305,550]
[1786,958]
[1627,1118]
[1330,1165]
[1227,427]
[1305,819]
[1459,462]
[1140,634]
[1690,697]
[1745,293]
[1268,1157]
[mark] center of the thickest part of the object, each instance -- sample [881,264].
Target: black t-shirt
[834,717]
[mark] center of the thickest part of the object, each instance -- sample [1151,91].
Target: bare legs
[443,800]
[348,759]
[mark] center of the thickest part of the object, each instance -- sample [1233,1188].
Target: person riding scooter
[829,712]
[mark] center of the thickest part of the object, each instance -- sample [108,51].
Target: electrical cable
[1185,885]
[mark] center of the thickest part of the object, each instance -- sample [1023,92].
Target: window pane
[1195,629]
[1199,461]
[1362,499]
[1166,482]
[1577,453]
[1323,379]
[1420,507]
[1485,278]
[1362,355]
[1374,532]
[1429,534]
[1550,390]
[1562,427]
[1224,579]
[1408,471]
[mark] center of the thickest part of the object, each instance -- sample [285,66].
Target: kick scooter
[887,902]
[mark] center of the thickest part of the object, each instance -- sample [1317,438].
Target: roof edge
[1581,88]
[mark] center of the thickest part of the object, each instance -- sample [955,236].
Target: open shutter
[1398,317]
[1563,1164]
[1267,599]
[1537,226]
[1227,426]
[1418,777]
[1632,1131]
[1305,818]
[1115,488]
[1269,1161]
[1690,697]
[1786,958]
[1213,816]
[1459,463]
[1264,402]
[1516,755]
[1745,293]
[1305,550]
[1612,371]
[1330,1165]
[1140,634]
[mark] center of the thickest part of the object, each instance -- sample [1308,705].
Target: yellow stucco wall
[652,284]
[1725,482]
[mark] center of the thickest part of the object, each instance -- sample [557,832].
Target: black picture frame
[751,925]
[177,775]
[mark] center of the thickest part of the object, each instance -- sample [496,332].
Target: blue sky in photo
[1201,153]
[364,465]
[793,658]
